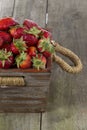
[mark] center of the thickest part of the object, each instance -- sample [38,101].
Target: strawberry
[44,46]
[30,39]
[46,34]
[16,31]
[39,62]
[29,23]
[32,51]
[1,42]
[5,36]
[6,23]
[18,46]
[6,59]
[23,61]
[6,46]
[31,36]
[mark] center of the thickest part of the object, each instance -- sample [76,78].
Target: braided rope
[12,81]
[72,56]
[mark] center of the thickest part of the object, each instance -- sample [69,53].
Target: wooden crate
[29,98]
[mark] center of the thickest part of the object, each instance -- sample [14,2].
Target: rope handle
[68,53]
[11,81]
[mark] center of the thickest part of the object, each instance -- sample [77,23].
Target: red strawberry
[18,46]
[44,46]
[23,61]
[16,32]
[6,23]
[30,39]
[5,36]
[29,23]
[1,42]
[6,46]
[39,62]
[31,36]
[32,51]
[46,34]
[6,59]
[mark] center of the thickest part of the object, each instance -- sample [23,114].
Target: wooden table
[67,108]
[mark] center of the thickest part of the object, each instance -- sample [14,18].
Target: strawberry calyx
[38,63]
[34,31]
[20,58]
[46,45]
[20,44]
[4,55]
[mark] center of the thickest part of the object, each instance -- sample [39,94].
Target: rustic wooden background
[67,108]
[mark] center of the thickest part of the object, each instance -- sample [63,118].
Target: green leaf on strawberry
[20,44]
[6,59]
[39,62]
[4,54]
[23,61]
[20,58]
[34,31]
[45,45]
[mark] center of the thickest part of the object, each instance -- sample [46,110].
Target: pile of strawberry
[24,46]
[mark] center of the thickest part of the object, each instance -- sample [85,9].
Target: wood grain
[68,93]
[21,121]
[24,99]
[6,8]
[32,9]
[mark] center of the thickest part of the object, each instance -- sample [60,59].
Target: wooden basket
[24,90]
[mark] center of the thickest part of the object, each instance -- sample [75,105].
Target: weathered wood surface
[33,9]
[6,8]
[19,121]
[68,93]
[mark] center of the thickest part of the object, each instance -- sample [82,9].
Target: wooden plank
[24,99]
[34,10]
[68,93]
[30,92]
[22,121]
[6,8]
